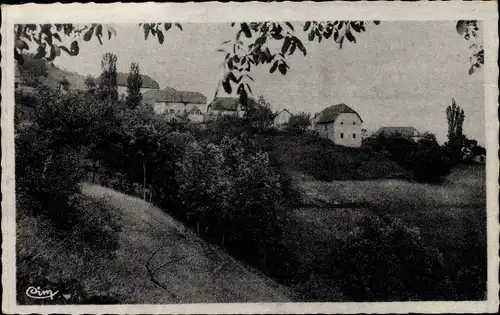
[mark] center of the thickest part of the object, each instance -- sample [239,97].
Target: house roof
[121,80]
[393,131]
[331,113]
[171,95]
[284,110]
[226,103]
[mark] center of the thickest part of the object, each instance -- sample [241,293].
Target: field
[450,217]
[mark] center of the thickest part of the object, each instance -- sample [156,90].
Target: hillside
[47,73]
[324,160]
[190,270]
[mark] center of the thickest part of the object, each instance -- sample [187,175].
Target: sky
[396,74]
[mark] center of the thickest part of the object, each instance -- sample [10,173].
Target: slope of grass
[186,269]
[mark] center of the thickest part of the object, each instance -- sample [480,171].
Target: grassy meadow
[450,217]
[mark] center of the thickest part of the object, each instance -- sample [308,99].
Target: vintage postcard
[252,158]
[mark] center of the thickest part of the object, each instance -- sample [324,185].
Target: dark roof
[226,103]
[192,97]
[284,110]
[395,131]
[171,95]
[121,80]
[331,113]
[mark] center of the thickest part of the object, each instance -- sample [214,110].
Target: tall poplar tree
[108,87]
[134,84]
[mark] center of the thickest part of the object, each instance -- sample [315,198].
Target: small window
[342,135]
[354,136]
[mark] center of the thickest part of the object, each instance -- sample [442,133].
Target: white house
[340,124]
[225,106]
[174,104]
[148,84]
[282,118]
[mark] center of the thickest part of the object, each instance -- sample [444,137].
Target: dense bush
[426,159]
[383,259]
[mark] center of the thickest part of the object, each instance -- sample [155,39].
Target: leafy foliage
[259,114]
[428,161]
[32,69]
[108,87]
[384,259]
[251,46]
[299,123]
[469,31]
[134,84]
[51,39]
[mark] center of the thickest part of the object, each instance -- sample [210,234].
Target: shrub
[298,123]
[427,161]
[383,259]
[47,178]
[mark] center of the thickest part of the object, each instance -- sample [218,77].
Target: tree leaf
[376,22]
[40,53]
[307,25]
[21,45]
[88,35]
[286,45]
[167,26]
[349,36]
[282,68]
[146,31]
[178,26]
[461,27]
[289,25]
[227,86]
[249,88]
[160,37]
[65,49]
[56,36]
[311,36]
[273,67]
[232,77]
[75,49]
[19,57]
[55,51]
[246,30]
[301,47]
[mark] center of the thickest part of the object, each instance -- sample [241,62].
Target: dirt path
[188,269]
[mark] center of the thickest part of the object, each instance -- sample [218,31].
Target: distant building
[148,84]
[174,104]
[225,106]
[340,124]
[404,132]
[282,118]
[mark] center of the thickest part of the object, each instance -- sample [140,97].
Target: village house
[175,104]
[148,84]
[282,118]
[404,132]
[340,124]
[225,106]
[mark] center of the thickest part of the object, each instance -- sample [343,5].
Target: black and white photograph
[249,160]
